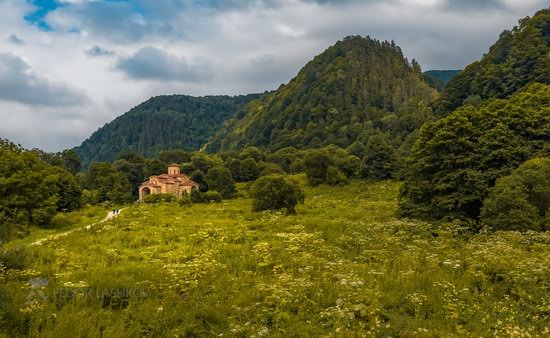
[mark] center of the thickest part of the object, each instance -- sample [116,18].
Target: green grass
[61,223]
[344,265]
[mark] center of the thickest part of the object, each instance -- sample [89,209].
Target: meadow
[343,266]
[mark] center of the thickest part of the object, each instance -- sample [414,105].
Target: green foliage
[316,165]
[276,192]
[196,196]
[521,200]
[32,189]
[212,196]
[335,176]
[519,57]
[249,170]
[184,200]
[199,177]
[159,198]
[174,156]
[110,184]
[330,101]
[219,179]
[381,160]
[162,122]
[458,158]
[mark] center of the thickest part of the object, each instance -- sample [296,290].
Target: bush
[159,198]
[212,196]
[276,192]
[521,200]
[15,258]
[196,196]
[184,200]
[335,176]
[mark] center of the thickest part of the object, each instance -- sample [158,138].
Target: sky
[67,67]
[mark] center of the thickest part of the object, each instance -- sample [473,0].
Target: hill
[520,56]
[439,78]
[356,86]
[162,122]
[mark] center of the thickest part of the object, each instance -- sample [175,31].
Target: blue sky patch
[43,7]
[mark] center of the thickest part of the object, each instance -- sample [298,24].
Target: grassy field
[61,223]
[344,265]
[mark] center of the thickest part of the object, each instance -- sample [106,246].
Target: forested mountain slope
[519,57]
[162,122]
[439,78]
[356,85]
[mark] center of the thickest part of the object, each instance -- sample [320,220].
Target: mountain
[439,78]
[520,56]
[162,122]
[359,84]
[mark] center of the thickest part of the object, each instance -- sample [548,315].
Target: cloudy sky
[69,66]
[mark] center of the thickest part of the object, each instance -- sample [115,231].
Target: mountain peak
[339,94]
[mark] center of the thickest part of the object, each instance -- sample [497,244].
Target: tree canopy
[519,57]
[521,200]
[458,158]
[160,123]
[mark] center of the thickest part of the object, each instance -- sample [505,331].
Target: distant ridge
[162,122]
[439,78]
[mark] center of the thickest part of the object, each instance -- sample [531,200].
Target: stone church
[171,183]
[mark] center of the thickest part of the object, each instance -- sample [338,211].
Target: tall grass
[344,265]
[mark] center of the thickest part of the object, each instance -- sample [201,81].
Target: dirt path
[109,216]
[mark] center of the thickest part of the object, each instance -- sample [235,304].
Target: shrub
[184,200]
[212,196]
[196,196]
[159,198]
[521,200]
[276,192]
[335,176]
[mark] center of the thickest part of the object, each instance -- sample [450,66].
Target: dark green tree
[276,192]
[110,184]
[316,164]
[249,170]
[219,179]
[521,200]
[381,160]
[458,158]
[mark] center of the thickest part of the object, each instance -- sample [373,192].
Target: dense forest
[162,122]
[360,85]
[519,57]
